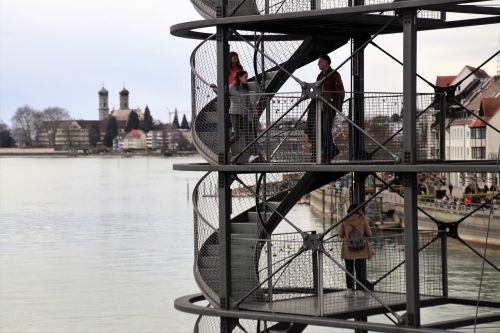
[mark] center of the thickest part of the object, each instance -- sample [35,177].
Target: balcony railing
[288,128]
[263,7]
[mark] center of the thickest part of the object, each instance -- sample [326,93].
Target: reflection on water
[106,245]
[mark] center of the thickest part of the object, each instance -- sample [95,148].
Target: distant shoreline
[50,152]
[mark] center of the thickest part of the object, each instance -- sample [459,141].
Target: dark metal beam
[186,29]
[410,157]
[185,304]
[362,166]
[473,302]
[224,178]
[457,323]
[470,22]
[467,9]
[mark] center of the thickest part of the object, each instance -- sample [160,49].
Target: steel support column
[443,106]
[356,137]
[444,263]
[222,86]
[224,181]
[358,116]
[357,98]
[412,317]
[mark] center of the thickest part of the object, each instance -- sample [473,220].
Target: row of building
[79,133]
[467,137]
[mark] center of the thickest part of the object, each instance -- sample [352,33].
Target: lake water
[100,244]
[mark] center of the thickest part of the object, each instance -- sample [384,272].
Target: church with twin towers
[120,114]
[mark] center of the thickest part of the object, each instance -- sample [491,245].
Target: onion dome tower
[103,103]
[124,98]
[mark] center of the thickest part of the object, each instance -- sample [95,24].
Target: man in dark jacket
[331,89]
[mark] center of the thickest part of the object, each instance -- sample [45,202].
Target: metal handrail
[195,202]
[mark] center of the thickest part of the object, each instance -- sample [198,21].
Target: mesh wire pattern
[283,128]
[268,126]
[258,7]
[206,324]
[292,281]
[260,71]
[278,272]
[243,214]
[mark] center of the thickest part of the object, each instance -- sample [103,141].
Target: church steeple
[103,103]
[124,98]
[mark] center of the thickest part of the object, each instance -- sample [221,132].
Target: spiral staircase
[261,219]
[261,200]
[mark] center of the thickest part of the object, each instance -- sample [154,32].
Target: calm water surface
[106,245]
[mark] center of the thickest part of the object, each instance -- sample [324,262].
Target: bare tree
[94,134]
[52,117]
[24,125]
[6,139]
[68,134]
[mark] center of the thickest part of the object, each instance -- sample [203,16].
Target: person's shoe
[349,293]
[360,293]
[253,158]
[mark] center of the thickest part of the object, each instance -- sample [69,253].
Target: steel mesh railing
[206,225]
[206,324]
[206,236]
[277,128]
[204,74]
[262,7]
[280,273]
[299,285]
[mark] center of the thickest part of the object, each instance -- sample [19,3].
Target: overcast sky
[60,52]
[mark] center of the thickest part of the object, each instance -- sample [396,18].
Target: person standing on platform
[241,112]
[355,250]
[331,89]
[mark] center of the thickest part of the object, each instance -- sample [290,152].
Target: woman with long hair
[240,113]
[355,250]
[234,66]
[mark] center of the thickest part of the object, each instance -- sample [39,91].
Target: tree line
[27,122]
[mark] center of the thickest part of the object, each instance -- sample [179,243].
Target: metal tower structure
[260,271]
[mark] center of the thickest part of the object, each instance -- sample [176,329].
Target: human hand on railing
[212,85]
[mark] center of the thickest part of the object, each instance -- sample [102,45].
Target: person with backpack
[355,250]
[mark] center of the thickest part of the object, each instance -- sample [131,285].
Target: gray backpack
[355,241]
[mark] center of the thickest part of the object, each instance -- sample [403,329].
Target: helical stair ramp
[269,65]
[259,202]
[268,72]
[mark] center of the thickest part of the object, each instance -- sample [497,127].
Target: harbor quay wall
[473,229]
[333,204]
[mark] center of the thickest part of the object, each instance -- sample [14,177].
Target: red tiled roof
[489,108]
[134,133]
[445,80]
[477,123]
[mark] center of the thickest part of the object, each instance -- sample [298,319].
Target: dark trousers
[360,266]
[328,149]
[237,123]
